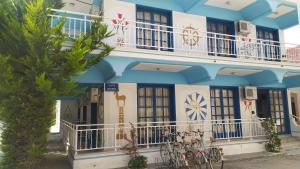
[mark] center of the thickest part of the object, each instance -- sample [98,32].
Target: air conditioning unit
[243,27]
[94,93]
[250,93]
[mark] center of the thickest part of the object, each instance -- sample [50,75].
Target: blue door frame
[169,23]
[221,115]
[172,112]
[270,35]
[221,27]
[285,104]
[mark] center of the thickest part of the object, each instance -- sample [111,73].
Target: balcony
[82,138]
[188,42]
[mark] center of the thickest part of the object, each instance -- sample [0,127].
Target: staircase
[290,144]
[55,144]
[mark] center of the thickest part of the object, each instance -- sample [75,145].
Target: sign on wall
[111,87]
[195,107]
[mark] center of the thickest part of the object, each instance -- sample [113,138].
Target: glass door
[155,107]
[271,103]
[220,37]
[225,112]
[268,38]
[153,29]
[277,109]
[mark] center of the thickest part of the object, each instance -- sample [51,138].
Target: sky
[292,35]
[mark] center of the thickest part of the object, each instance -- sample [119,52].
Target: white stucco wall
[57,112]
[248,113]
[181,94]
[82,6]
[246,110]
[182,91]
[111,111]
[189,27]
[295,128]
[245,45]
[69,110]
[112,9]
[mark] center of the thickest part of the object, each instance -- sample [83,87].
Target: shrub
[137,162]
[273,143]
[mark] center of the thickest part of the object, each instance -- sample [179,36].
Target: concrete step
[250,156]
[55,144]
[290,146]
[289,143]
[288,138]
[56,147]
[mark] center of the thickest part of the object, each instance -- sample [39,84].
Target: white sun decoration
[195,107]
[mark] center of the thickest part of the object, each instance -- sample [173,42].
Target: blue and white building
[218,65]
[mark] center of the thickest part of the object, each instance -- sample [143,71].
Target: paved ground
[55,161]
[58,161]
[275,162]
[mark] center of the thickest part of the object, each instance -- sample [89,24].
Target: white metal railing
[111,136]
[295,125]
[133,34]
[296,119]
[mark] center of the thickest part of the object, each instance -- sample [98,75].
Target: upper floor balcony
[160,38]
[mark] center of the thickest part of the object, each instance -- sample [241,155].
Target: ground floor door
[272,103]
[225,111]
[155,107]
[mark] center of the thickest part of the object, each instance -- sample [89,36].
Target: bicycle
[215,153]
[195,154]
[201,154]
[171,153]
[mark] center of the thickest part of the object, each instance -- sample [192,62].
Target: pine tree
[35,69]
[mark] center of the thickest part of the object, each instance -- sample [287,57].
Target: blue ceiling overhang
[114,69]
[256,12]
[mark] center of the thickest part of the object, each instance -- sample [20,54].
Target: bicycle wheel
[209,164]
[200,160]
[165,154]
[192,160]
[215,154]
[205,161]
[181,161]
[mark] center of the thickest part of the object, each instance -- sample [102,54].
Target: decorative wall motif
[190,36]
[247,47]
[120,25]
[195,107]
[248,106]
[121,101]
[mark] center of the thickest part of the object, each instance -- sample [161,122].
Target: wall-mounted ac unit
[94,93]
[250,93]
[243,27]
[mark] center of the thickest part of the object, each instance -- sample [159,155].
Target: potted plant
[136,161]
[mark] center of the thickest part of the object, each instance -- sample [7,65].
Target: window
[153,28]
[271,103]
[277,109]
[224,109]
[155,104]
[219,38]
[269,39]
